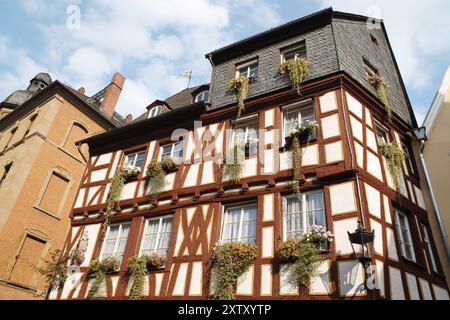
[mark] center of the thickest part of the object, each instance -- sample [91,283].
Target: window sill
[47,212]
[414,263]
[18,286]
[285,146]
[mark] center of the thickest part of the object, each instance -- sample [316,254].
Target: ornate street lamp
[362,238]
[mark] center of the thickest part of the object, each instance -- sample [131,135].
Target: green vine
[240,87]
[54,270]
[395,156]
[380,86]
[230,261]
[234,164]
[157,177]
[117,184]
[138,268]
[98,270]
[298,70]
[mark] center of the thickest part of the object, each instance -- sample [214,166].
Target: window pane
[166,151]
[314,207]
[178,150]
[248,233]
[139,159]
[164,236]
[122,242]
[150,236]
[294,218]
[253,73]
[110,241]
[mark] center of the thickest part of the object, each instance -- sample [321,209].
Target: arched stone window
[76,132]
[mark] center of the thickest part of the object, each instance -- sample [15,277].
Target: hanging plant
[234,164]
[54,270]
[239,86]
[297,70]
[230,261]
[305,253]
[117,184]
[299,137]
[395,156]
[98,270]
[138,268]
[380,86]
[157,177]
[168,164]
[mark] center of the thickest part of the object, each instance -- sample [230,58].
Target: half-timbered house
[345,176]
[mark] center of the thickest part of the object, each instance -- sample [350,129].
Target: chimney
[112,93]
[129,118]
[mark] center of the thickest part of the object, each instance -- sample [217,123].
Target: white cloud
[418,31]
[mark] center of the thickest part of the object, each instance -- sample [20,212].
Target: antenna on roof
[187,74]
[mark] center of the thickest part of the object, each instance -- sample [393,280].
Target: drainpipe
[433,199]
[212,77]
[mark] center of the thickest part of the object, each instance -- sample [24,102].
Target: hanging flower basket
[395,155]
[130,172]
[168,165]
[297,70]
[239,86]
[234,164]
[302,132]
[157,177]
[380,86]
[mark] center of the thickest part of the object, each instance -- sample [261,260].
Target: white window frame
[370,71]
[158,233]
[301,105]
[242,207]
[303,210]
[155,111]
[135,155]
[296,47]
[171,151]
[408,156]
[380,128]
[243,124]
[408,242]
[201,96]
[116,240]
[426,239]
[247,64]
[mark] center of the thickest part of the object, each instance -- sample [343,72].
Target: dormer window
[370,70]
[293,52]
[248,69]
[202,96]
[156,111]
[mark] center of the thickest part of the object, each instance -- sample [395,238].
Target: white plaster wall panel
[320,284]
[379,265]
[412,286]
[440,293]
[420,199]
[388,174]
[328,102]
[79,203]
[74,233]
[245,283]
[269,117]
[178,289]
[411,192]
[340,228]
[395,277]
[373,166]
[158,282]
[378,240]
[91,231]
[266,280]
[199,134]
[92,196]
[373,200]
[391,245]
[359,151]
[354,105]
[53,294]
[218,145]
[387,210]
[342,198]
[208,172]
[115,164]
[310,156]
[351,278]
[397,137]
[195,286]
[104,159]
[142,190]
[269,137]
[371,140]
[73,282]
[106,193]
[330,126]
[285,160]
[151,152]
[267,242]
[268,207]
[180,238]
[190,146]
[250,168]
[128,190]
[101,292]
[357,128]
[114,283]
[288,282]
[368,118]
[170,181]
[98,175]
[191,177]
[425,289]
[269,165]
[333,152]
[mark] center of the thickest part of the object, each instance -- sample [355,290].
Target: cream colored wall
[34,159]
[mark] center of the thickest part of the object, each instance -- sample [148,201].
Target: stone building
[344,177]
[40,169]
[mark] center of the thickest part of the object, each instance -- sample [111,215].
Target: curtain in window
[122,242]
[164,237]
[314,207]
[150,236]
[110,241]
[248,233]
[232,225]
[294,218]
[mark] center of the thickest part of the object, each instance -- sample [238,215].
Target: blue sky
[152,42]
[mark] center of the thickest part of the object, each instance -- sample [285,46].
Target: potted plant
[303,132]
[380,87]
[297,70]
[157,177]
[130,171]
[234,164]
[320,236]
[54,270]
[168,165]
[395,156]
[239,86]
[155,260]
